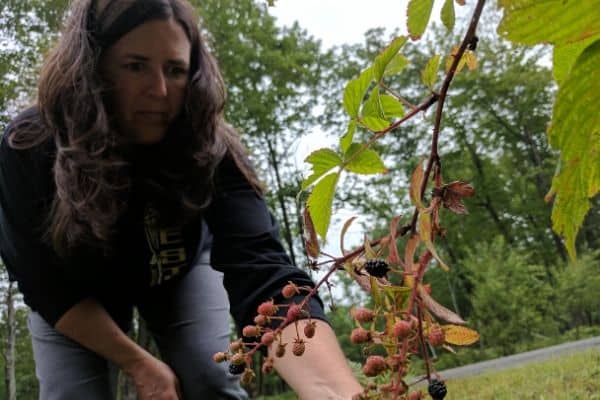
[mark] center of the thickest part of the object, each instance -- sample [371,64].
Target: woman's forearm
[90,325]
[322,372]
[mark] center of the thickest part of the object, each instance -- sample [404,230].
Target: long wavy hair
[93,169]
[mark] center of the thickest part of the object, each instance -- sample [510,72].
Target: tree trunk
[287,232]
[10,382]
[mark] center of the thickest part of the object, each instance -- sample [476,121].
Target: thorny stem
[434,157]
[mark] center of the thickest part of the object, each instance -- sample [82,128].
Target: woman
[112,185]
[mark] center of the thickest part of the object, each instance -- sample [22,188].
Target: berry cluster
[437,389]
[377,267]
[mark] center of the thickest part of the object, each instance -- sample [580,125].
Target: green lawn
[571,377]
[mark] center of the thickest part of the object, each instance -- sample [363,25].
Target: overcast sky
[341,21]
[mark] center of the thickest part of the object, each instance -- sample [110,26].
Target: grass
[570,377]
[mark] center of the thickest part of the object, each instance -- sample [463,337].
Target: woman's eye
[177,71]
[135,66]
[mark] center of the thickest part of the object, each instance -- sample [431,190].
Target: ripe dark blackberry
[236,369]
[437,389]
[377,267]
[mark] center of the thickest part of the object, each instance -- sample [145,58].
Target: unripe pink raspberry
[309,329]
[294,312]
[401,329]
[360,335]
[261,320]
[290,290]
[220,357]
[415,396]
[299,347]
[235,346]
[267,338]
[238,359]
[251,331]
[436,336]
[374,366]
[362,314]
[268,308]
[267,366]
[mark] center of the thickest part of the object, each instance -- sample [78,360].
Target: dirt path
[521,358]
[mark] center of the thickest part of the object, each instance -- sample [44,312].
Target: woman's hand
[153,379]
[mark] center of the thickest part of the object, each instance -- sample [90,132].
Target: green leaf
[386,56]
[391,107]
[365,162]
[372,107]
[448,14]
[429,73]
[322,161]
[575,131]
[418,15]
[550,21]
[565,56]
[355,92]
[398,63]
[374,124]
[346,140]
[320,202]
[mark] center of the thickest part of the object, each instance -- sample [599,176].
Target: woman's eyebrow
[139,57]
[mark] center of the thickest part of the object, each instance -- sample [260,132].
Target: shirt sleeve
[42,279]
[247,249]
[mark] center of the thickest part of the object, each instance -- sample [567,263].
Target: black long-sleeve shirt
[245,244]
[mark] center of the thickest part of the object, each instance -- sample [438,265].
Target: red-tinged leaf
[437,309]
[416,181]
[425,233]
[409,252]
[461,2]
[369,252]
[393,256]
[344,230]
[311,242]
[353,269]
[453,193]
[460,335]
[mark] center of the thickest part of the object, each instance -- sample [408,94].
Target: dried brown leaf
[311,242]
[439,310]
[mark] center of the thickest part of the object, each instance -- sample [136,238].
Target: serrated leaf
[565,55]
[311,242]
[320,202]
[392,108]
[437,309]
[346,140]
[418,15]
[386,56]
[550,21]
[398,63]
[343,234]
[470,60]
[575,131]
[416,182]
[374,124]
[372,107]
[460,335]
[447,15]
[365,161]
[429,73]
[425,234]
[322,160]
[355,92]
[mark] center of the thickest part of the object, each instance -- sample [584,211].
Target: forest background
[511,278]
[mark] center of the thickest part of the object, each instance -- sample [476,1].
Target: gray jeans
[189,321]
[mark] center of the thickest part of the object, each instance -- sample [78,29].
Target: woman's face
[147,72]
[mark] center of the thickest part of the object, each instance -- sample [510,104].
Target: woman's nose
[157,86]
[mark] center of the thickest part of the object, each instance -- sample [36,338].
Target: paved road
[521,358]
